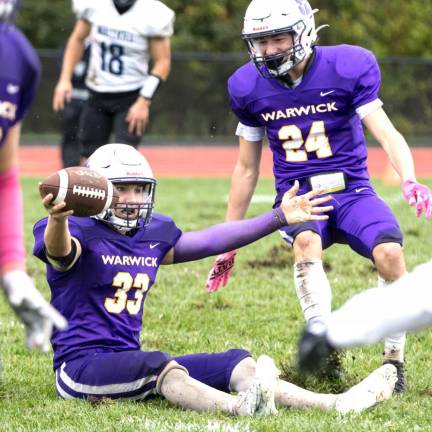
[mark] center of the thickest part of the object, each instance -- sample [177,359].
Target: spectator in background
[125,36]
[19,76]
[70,147]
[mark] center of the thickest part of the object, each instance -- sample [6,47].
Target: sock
[182,390]
[313,289]
[289,395]
[393,344]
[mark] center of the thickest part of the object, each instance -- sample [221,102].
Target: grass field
[258,311]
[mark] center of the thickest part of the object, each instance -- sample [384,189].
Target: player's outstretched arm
[62,249]
[232,235]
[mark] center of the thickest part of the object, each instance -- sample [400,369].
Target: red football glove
[221,271]
[418,195]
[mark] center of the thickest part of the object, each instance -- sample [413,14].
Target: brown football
[84,190]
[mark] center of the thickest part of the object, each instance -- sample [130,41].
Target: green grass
[258,311]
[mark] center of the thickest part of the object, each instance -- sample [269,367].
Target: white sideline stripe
[63,186]
[105,389]
[109,197]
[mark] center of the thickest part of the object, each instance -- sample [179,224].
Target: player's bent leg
[129,375]
[390,264]
[311,283]
[376,387]
[182,390]
[233,370]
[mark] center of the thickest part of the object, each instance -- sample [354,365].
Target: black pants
[105,114]
[70,146]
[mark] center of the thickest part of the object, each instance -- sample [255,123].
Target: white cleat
[267,374]
[247,402]
[376,387]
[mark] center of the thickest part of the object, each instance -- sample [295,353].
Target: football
[84,190]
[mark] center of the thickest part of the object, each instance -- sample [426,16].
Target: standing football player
[71,114]
[408,308]
[99,354]
[19,75]
[312,103]
[125,36]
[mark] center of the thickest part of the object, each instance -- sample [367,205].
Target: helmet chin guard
[264,18]
[123,165]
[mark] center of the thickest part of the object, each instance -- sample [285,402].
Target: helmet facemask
[126,216]
[273,18]
[278,64]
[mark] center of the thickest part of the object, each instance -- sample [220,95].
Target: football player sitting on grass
[100,270]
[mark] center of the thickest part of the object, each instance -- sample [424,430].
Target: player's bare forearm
[74,49]
[243,185]
[393,143]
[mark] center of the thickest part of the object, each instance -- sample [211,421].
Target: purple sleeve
[238,99]
[368,84]
[19,77]
[227,236]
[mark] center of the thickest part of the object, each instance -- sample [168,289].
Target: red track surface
[202,161]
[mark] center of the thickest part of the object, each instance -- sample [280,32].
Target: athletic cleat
[315,352]
[376,387]
[247,402]
[400,386]
[267,374]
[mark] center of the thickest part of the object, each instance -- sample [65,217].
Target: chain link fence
[192,107]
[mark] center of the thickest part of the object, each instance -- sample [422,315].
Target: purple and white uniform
[316,128]
[19,77]
[102,297]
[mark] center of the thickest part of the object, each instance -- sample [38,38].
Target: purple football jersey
[19,77]
[102,296]
[314,127]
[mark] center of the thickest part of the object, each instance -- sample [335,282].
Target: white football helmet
[122,164]
[8,9]
[273,17]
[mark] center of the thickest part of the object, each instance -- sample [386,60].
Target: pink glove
[221,271]
[418,195]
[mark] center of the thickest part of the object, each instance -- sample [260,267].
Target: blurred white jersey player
[370,316]
[125,36]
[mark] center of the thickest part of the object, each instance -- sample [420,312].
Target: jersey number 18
[111,58]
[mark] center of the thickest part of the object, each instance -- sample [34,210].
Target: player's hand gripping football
[221,271]
[305,207]
[57,211]
[420,196]
[38,316]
